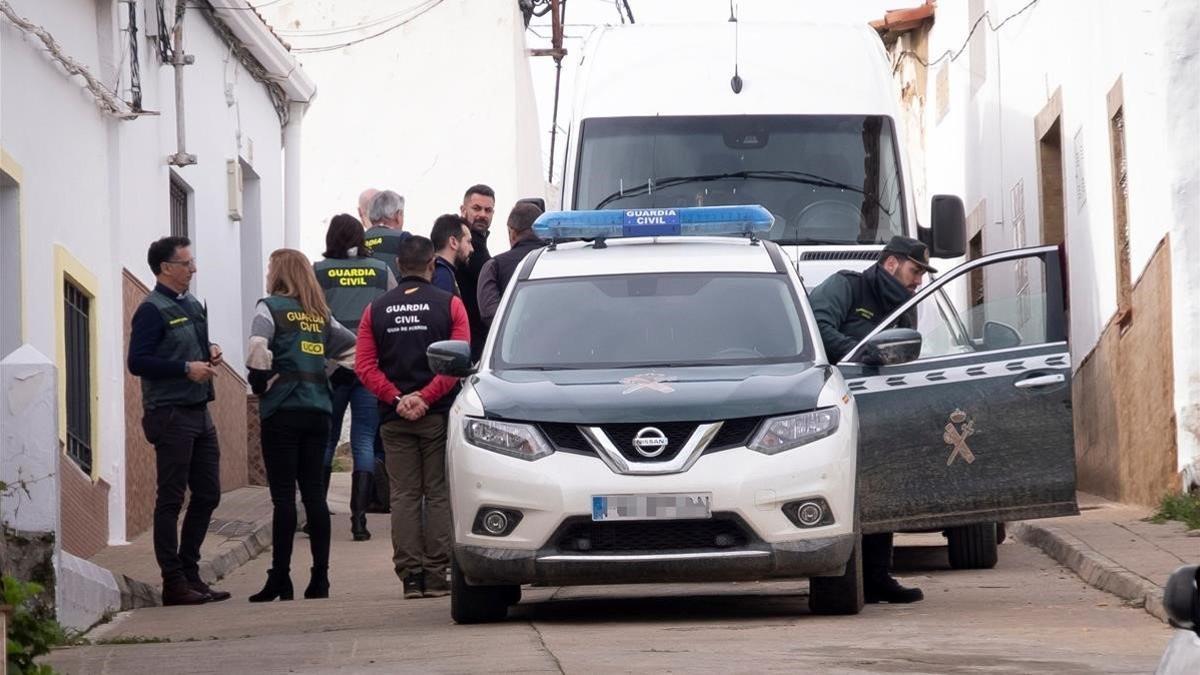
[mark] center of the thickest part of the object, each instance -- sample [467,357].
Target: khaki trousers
[415,455]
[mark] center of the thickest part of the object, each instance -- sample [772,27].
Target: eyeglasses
[186,263]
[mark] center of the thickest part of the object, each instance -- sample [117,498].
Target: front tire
[973,547]
[477,604]
[839,596]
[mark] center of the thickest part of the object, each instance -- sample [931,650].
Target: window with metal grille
[77,339]
[179,208]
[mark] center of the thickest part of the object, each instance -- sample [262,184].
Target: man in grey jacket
[498,271]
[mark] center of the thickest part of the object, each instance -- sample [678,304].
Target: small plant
[131,640]
[32,630]
[1182,507]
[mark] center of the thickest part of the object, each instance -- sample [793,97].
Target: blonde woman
[291,338]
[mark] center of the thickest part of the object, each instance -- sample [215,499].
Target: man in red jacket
[393,335]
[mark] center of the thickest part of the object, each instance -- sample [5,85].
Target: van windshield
[643,320]
[828,179]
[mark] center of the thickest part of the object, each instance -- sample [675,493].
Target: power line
[429,5]
[628,12]
[336,30]
[953,56]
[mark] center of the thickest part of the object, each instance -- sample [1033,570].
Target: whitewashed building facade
[92,169]
[1078,124]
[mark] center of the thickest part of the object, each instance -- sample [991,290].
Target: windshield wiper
[801,177]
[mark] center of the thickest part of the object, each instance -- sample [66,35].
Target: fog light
[809,513]
[495,522]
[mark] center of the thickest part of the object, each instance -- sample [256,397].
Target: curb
[234,552]
[1092,566]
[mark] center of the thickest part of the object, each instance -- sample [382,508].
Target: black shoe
[361,485]
[414,586]
[181,593]
[278,586]
[204,589]
[889,590]
[436,586]
[318,584]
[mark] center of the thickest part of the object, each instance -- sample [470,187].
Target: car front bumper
[825,556]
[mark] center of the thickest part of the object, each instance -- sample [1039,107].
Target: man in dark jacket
[170,351]
[451,238]
[847,307]
[478,207]
[498,271]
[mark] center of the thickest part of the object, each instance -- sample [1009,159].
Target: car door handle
[1040,381]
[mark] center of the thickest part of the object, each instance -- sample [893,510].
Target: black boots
[318,584]
[887,589]
[361,485]
[278,586]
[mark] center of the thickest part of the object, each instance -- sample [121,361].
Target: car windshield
[827,178]
[665,320]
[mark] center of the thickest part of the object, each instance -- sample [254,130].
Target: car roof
[654,255]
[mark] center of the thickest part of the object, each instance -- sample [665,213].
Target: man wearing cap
[848,306]
[497,272]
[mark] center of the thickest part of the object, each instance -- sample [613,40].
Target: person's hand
[215,356]
[412,407]
[200,371]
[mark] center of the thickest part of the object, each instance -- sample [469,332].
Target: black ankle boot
[360,493]
[278,586]
[318,584]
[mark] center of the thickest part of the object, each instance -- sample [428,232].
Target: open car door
[977,429]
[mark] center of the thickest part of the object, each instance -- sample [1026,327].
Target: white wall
[427,110]
[99,187]
[986,144]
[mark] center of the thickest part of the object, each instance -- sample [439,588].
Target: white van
[807,128]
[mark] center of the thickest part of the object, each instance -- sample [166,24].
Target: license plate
[652,507]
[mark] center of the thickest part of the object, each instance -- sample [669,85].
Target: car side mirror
[891,347]
[946,235]
[1181,598]
[450,357]
[997,335]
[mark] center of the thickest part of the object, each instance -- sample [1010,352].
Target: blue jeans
[364,421]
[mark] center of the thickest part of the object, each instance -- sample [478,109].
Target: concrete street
[1029,615]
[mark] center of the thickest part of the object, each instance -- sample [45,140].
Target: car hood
[644,395]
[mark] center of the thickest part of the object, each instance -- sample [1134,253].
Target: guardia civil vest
[185,338]
[384,243]
[404,322]
[350,284]
[298,356]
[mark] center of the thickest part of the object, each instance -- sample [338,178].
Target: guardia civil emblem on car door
[958,429]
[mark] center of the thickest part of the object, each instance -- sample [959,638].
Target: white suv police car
[652,407]
[657,407]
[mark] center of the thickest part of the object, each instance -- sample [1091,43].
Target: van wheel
[839,595]
[477,604]
[972,547]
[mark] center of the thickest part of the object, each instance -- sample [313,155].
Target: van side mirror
[1181,598]
[891,347]
[450,357]
[946,235]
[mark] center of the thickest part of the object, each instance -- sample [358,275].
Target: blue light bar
[654,222]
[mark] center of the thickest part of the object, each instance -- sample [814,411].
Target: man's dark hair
[520,219]
[414,256]
[479,189]
[445,227]
[163,250]
[345,232]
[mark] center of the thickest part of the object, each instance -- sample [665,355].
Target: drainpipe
[179,60]
[291,174]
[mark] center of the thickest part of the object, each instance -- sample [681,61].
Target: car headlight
[515,440]
[791,431]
